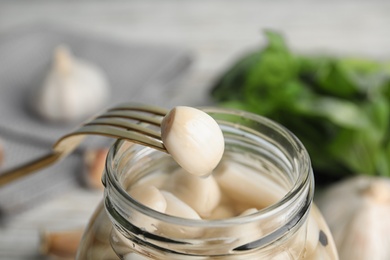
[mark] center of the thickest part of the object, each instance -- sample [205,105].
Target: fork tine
[126,125]
[140,107]
[132,115]
[110,131]
[110,124]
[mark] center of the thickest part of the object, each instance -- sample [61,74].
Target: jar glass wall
[265,172]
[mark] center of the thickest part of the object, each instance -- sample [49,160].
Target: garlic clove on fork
[193,138]
[73,89]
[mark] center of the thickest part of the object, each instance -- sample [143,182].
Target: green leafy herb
[338,106]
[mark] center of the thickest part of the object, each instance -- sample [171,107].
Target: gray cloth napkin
[143,73]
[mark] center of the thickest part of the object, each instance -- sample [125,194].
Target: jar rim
[304,179]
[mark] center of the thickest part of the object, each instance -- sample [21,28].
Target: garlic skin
[72,90]
[357,211]
[193,138]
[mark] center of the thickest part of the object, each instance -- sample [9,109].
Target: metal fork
[136,123]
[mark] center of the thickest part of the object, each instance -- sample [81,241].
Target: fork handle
[27,168]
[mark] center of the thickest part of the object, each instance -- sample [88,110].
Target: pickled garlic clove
[134,256]
[193,138]
[244,232]
[121,245]
[156,180]
[324,238]
[222,211]
[202,194]
[282,255]
[249,211]
[178,208]
[149,196]
[312,235]
[247,186]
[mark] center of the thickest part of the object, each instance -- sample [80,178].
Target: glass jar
[278,175]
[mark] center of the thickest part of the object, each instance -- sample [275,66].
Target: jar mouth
[256,132]
[221,115]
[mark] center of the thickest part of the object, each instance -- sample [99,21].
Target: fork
[134,122]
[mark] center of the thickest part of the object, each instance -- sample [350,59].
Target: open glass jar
[278,176]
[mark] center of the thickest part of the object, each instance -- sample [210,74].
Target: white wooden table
[217,32]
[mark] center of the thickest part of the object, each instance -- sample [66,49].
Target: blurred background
[161,52]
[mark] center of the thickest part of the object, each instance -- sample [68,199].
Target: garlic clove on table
[357,211]
[61,244]
[94,162]
[73,89]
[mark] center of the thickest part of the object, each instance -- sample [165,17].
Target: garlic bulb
[72,90]
[193,138]
[357,211]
